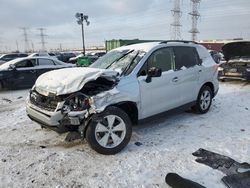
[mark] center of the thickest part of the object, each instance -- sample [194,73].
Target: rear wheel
[204,100]
[111,132]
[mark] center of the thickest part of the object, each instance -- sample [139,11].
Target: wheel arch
[129,107]
[211,85]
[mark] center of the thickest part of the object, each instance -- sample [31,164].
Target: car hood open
[70,80]
[236,49]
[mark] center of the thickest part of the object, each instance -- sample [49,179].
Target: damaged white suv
[126,85]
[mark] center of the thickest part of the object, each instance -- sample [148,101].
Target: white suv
[126,85]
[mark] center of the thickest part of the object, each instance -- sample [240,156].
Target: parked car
[123,87]
[8,57]
[65,56]
[23,72]
[237,65]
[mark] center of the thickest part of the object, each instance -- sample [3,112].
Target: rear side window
[185,57]
[162,58]
[44,62]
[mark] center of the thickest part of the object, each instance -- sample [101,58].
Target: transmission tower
[26,41]
[42,35]
[195,17]
[176,25]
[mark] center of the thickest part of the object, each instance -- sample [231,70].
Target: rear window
[185,57]
[44,62]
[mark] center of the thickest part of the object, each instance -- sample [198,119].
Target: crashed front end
[70,111]
[237,69]
[237,65]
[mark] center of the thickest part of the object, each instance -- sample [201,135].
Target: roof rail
[183,41]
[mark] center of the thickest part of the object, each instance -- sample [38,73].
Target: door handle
[175,79]
[33,71]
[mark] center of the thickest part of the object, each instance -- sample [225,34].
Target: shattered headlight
[76,102]
[220,69]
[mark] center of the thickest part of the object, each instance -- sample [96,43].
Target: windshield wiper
[130,64]
[119,59]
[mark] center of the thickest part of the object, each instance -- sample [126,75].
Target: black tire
[92,135]
[199,106]
[1,86]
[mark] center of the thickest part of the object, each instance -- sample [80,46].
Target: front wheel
[1,86]
[110,132]
[204,100]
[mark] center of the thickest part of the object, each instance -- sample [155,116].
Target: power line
[42,35]
[26,41]
[176,25]
[195,16]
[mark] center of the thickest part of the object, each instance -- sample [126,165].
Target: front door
[162,93]
[25,74]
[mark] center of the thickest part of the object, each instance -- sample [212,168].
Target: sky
[115,19]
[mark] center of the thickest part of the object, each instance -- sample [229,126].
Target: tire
[204,100]
[110,132]
[1,86]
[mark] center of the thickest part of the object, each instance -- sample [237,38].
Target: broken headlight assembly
[76,103]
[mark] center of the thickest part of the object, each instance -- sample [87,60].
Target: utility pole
[195,17]
[42,35]
[176,25]
[80,19]
[26,41]
[17,48]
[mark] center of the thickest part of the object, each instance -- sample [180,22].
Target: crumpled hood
[70,80]
[236,49]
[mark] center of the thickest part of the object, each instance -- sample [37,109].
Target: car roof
[146,47]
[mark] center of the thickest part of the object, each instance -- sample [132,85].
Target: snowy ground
[35,157]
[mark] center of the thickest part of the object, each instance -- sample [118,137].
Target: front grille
[43,102]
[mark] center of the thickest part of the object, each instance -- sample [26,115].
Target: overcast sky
[116,19]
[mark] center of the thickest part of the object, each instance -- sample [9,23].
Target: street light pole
[83,42]
[80,20]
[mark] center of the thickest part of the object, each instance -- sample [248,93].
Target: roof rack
[183,41]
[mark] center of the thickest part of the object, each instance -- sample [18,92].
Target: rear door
[187,72]
[45,65]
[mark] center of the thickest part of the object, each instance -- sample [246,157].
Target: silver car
[123,87]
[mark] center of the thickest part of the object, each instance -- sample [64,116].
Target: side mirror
[200,61]
[12,67]
[153,72]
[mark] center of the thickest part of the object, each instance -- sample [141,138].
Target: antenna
[42,35]
[195,17]
[26,41]
[176,25]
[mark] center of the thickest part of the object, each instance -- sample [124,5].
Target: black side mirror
[153,72]
[12,67]
[200,61]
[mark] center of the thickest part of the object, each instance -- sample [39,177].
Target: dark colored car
[64,57]
[237,65]
[9,57]
[23,72]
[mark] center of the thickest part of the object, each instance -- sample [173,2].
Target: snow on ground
[35,157]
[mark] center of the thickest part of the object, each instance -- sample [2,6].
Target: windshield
[120,61]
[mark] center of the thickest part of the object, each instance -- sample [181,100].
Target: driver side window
[26,63]
[163,59]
